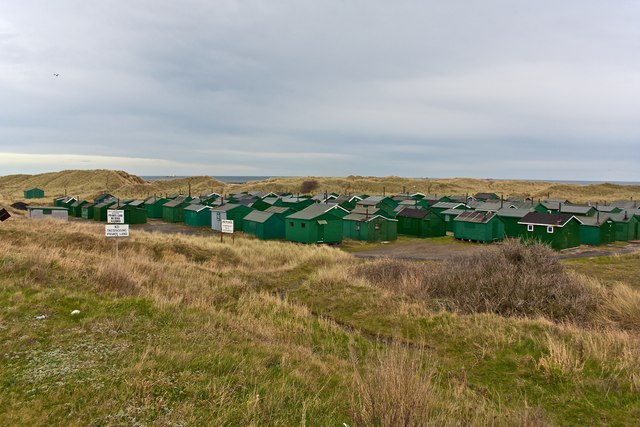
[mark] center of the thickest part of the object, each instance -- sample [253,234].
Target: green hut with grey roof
[318,223]
[626,224]
[132,213]
[264,225]
[173,210]
[510,218]
[87,210]
[376,228]
[230,211]
[100,209]
[33,193]
[420,223]
[482,227]
[197,215]
[597,230]
[558,230]
[75,210]
[153,206]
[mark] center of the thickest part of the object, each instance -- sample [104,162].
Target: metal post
[116,246]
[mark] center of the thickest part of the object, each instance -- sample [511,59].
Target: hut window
[446,218]
[291,224]
[550,229]
[376,226]
[303,225]
[358,226]
[530,227]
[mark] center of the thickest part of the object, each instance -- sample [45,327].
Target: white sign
[226,226]
[115,216]
[116,230]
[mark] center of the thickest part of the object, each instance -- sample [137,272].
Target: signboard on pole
[226,226]
[115,216]
[116,230]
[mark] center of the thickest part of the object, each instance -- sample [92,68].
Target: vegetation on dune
[87,184]
[188,330]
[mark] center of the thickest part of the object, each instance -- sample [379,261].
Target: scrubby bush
[512,279]
[308,186]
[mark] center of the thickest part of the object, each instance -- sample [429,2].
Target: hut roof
[314,211]
[258,216]
[537,218]
[196,207]
[475,217]
[413,213]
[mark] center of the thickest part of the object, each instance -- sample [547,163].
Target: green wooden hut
[153,206]
[510,218]
[280,210]
[64,202]
[448,216]
[264,225]
[597,230]
[100,209]
[387,204]
[173,210]
[197,215]
[318,223]
[578,210]
[103,197]
[483,227]
[559,230]
[75,210]
[293,202]
[626,225]
[439,207]
[420,223]
[132,213]
[368,228]
[33,193]
[87,210]
[233,211]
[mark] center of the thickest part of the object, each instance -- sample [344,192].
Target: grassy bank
[187,330]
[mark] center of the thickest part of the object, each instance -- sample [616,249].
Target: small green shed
[230,211]
[375,228]
[448,216]
[75,210]
[420,223]
[132,213]
[558,230]
[173,210]
[197,215]
[64,202]
[626,225]
[510,218]
[33,193]
[87,210]
[597,230]
[264,225]
[318,223]
[153,206]
[483,227]
[100,209]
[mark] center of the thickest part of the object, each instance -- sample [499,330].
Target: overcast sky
[493,88]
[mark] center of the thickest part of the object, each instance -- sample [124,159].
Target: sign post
[116,227]
[226,226]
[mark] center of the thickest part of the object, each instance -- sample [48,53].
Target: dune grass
[87,184]
[187,330]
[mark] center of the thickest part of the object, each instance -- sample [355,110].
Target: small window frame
[550,229]
[529,227]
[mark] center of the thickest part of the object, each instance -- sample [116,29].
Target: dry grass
[511,280]
[402,387]
[87,184]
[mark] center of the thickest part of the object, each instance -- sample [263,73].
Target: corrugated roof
[475,217]
[452,212]
[258,216]
[175,202]
[313,211]
[594,221]
[554,219]
[196,207]
[447,205]
[624,216]
[513,213]
[225,208]
[154,200]
[413,213]
[365,218]
[136,203]
[575,209]
[277,209]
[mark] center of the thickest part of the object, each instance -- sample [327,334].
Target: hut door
[321,224]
